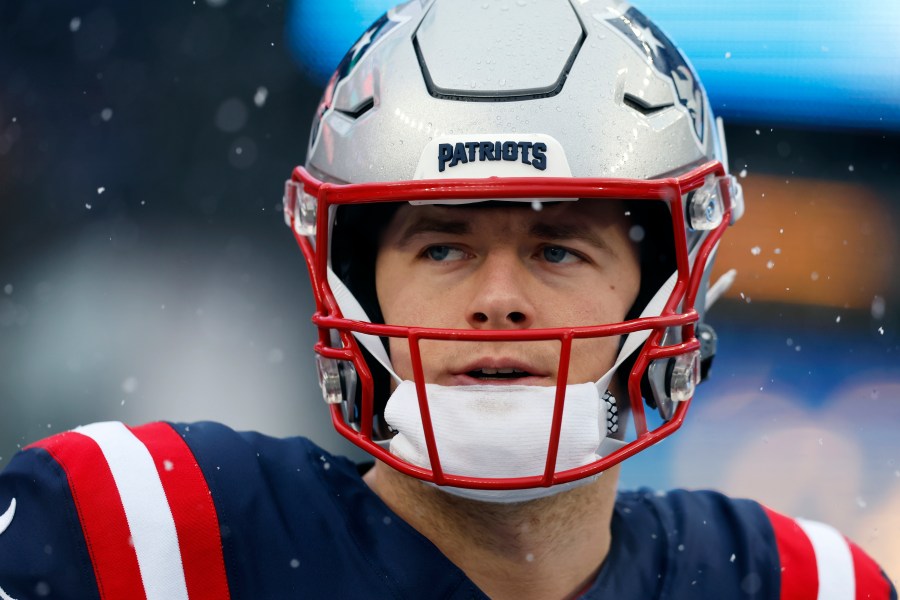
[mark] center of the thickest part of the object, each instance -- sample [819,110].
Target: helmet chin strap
[720,287]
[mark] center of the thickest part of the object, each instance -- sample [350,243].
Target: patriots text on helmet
[530,153]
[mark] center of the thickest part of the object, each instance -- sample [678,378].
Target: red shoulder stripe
[100,512]
[799,572]
[870,582]
[190,501]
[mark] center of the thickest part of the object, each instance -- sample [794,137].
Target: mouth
[492,371]
[486,373]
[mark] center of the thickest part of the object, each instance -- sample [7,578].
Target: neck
[547,548]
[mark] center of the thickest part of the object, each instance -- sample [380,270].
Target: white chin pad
[497,430]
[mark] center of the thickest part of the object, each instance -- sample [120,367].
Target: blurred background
[145,271]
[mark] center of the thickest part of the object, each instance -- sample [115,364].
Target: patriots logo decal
[662,54]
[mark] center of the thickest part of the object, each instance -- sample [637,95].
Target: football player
[509,213]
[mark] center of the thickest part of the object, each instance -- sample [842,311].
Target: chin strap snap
[612,413]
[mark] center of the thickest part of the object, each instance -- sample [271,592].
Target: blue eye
[440,253]
[555,254]
[437,252]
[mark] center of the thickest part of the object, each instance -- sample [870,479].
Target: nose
[502,295]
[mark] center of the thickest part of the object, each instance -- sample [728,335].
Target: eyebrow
[427,224]
[574,230]
[569,230]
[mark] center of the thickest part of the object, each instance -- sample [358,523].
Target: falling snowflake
[130,385]
[878,307]
[259,98]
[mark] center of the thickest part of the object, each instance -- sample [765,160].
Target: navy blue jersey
[201,511]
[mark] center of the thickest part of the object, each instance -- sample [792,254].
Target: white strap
[834,561]
[722,146]
[5,596]
[8,515]
[352,309]
[146,509]
[634,340]
[720,287]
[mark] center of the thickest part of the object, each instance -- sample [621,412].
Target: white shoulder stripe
[5,596]
[7,517]
[146,509]
[834,561]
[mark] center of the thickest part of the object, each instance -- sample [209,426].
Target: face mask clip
[299,208]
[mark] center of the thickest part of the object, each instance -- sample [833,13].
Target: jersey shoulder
[298,521]
[108,510]
[42,549]
[817,561]
[708,541]
[202,511]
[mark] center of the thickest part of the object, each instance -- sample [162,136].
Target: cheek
[592,358]
[400,358]
[605,304]
[405,297]
[599,303]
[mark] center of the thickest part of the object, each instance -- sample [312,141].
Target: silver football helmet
[449,101]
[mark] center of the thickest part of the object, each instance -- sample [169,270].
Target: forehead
[498,217]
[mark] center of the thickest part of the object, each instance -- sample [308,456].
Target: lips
[506,373]
[499,371]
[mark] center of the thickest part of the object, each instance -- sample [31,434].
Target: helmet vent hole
[642,106]
[361,109]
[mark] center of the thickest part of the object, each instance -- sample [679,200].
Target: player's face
[507,267]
